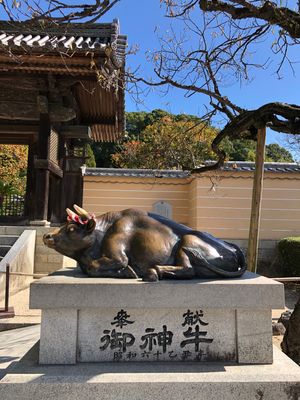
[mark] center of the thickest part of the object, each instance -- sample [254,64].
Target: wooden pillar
[55,199]
[30,183]
[72,191]
[42,175]
[42,195]
[256,201]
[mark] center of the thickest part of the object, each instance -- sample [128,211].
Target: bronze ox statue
[137,244]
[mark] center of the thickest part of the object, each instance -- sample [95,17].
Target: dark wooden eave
[91,58]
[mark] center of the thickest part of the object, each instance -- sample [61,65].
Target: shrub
[289,251]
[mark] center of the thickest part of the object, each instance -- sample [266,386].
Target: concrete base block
[101,319]
[147,381]
[58,336]
[254,336]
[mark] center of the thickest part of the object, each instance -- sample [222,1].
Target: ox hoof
[150,276]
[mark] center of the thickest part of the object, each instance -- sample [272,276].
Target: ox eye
[72,229]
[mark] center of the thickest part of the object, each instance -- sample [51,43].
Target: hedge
[289,251]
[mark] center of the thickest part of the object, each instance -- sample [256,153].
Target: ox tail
[200,260]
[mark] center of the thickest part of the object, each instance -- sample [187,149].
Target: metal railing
[6,311]
[12,206]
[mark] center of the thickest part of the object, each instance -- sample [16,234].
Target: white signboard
[163,208]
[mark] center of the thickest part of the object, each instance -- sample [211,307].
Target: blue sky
[141,20]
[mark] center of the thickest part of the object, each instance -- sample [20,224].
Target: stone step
[8,239]
[4,248]
[27,380]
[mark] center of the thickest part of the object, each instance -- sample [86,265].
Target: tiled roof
[268,167]
[239,166]
[139,173]
[102,110]
[93,53]
[64,37]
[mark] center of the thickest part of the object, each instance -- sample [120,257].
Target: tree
[55,11]
[225,35]
[227,32]
[90,161]
[131,152]
[276,153]
[293,143]
[103,153]
[13,169]
[244,150]
[168,143]
[136,122]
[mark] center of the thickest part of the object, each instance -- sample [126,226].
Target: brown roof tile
[39,49]
[67,37]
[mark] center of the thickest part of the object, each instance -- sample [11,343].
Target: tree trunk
[291,341]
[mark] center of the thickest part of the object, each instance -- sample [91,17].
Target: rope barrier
[24,274]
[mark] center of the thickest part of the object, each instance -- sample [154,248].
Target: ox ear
[91,225]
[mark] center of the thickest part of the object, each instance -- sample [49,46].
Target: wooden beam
[21,130]
[60,69]
[15,140]
[48,165]
[76,132]
[16,94]
[18,134]
[33,59]
[256,201]
[21,81]
[16,110]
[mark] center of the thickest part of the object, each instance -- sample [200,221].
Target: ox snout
[48,240]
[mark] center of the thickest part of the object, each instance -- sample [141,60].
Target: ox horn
[71,214]
[82,212]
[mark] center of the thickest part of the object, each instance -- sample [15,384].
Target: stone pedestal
[95,319]
[149,381]
[106,327]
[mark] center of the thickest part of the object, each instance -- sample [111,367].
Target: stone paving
[14,344]
[23,315]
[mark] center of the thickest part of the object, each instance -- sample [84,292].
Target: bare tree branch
[55,11]
[220,46]
[281,117]
[268,11]
[283,17]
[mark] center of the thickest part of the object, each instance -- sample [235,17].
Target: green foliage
[245,150]
[90,161]
[13,169]
[289,251]
[276,153]
[168,143]
[143,149]
[136,122]
[240,149]
[7,188]
[103,153]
